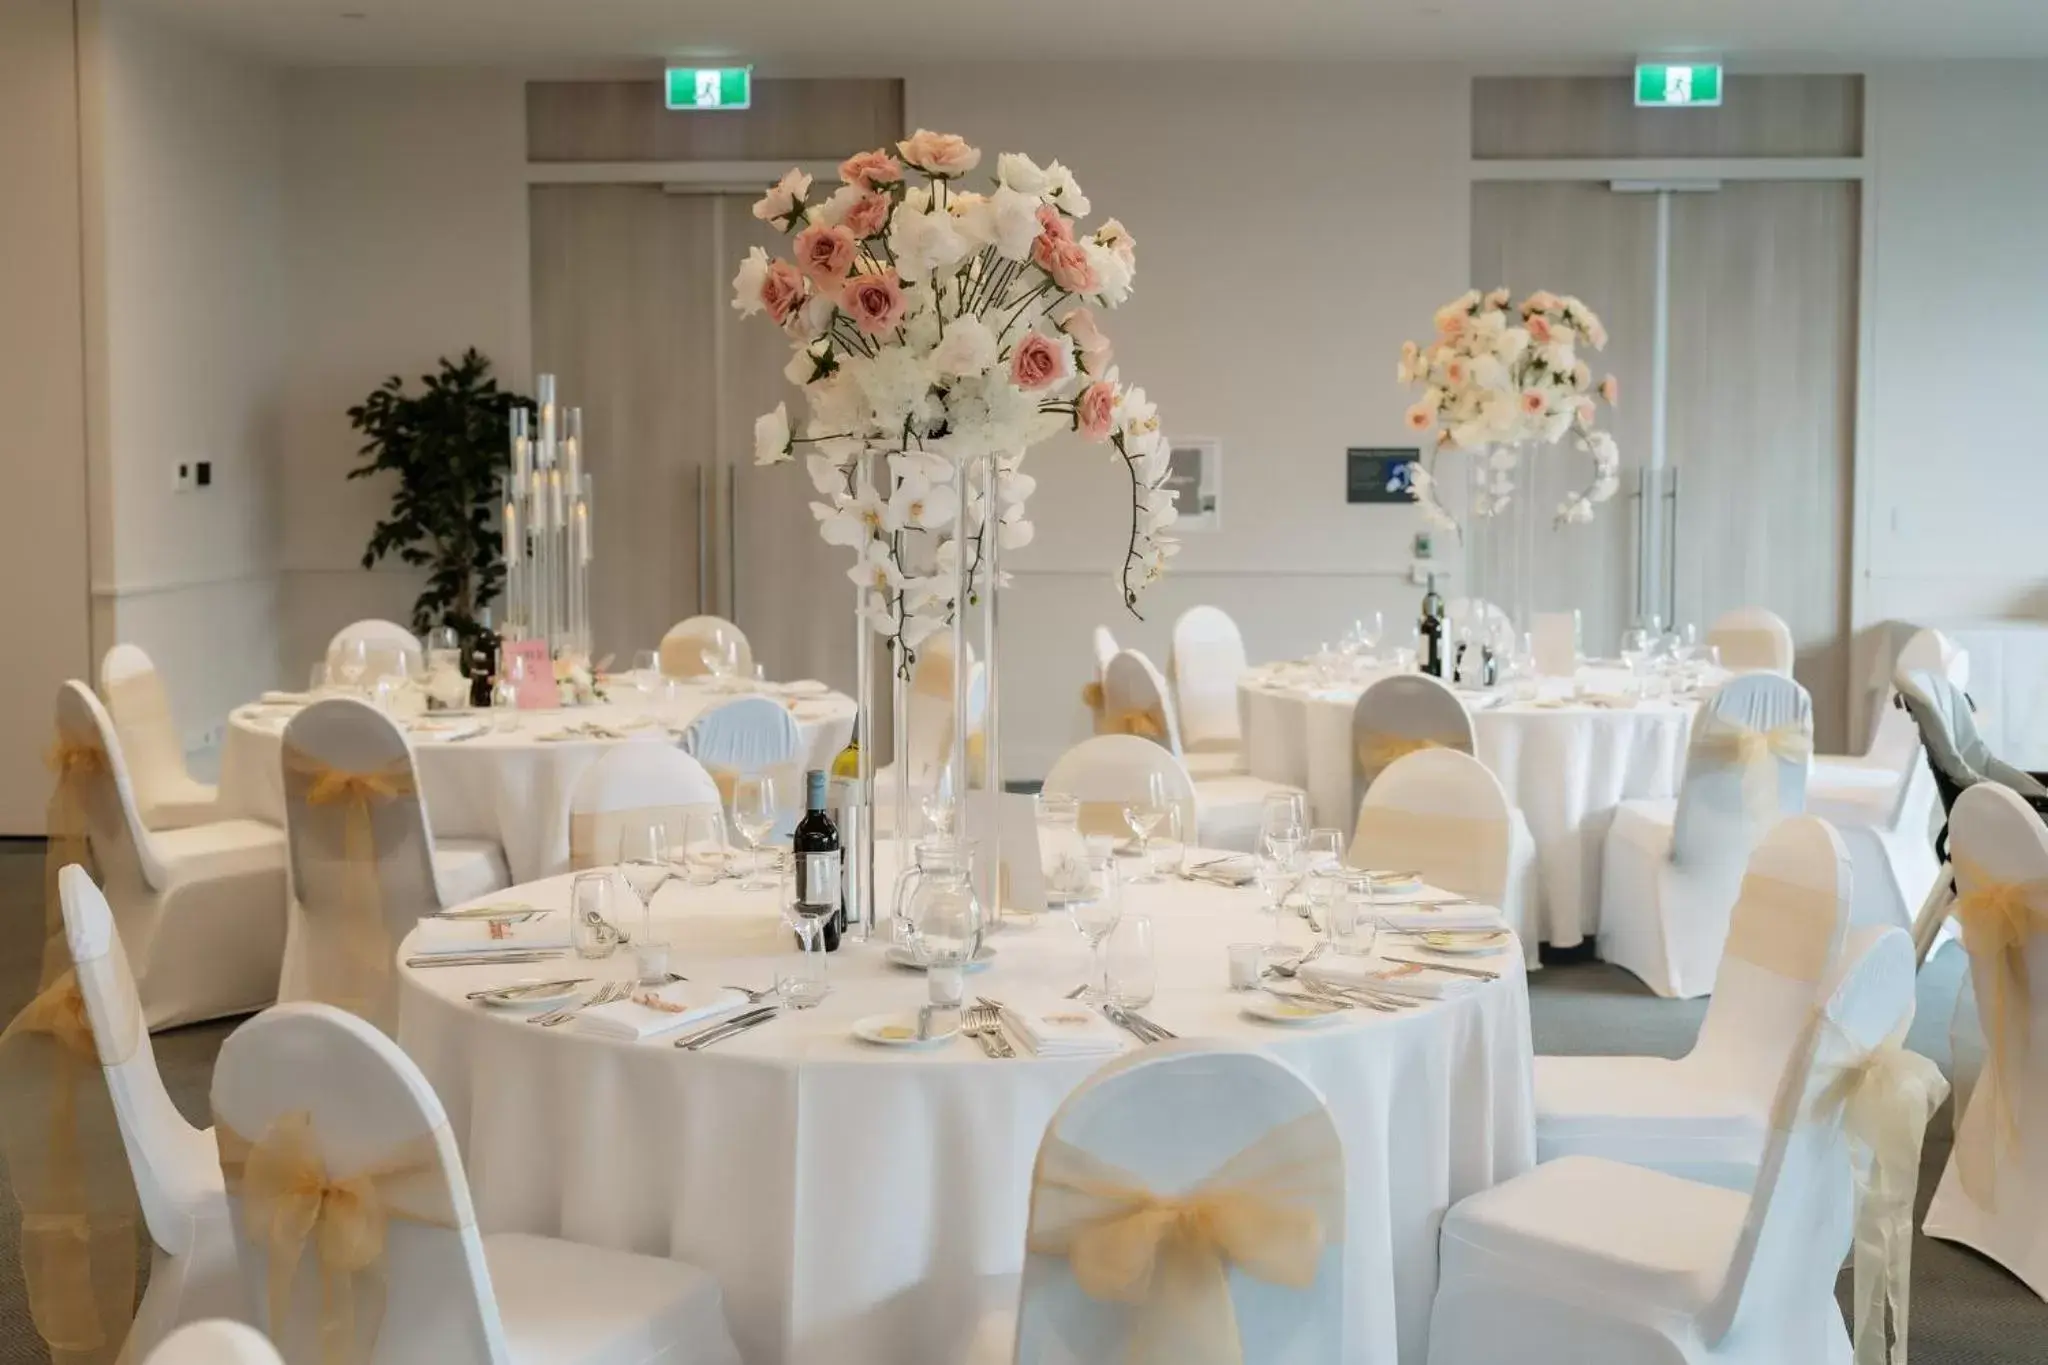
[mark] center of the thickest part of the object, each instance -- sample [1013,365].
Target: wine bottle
[815,845]
[483,662]
[1431,630]
[847,803]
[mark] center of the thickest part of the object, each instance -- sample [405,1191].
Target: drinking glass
[1062,852]
[1130,963]
[643,861]
[801,975]
[318,680]
[1353,922]
[1143,816]
[1274,875]
[1095,906]
[753,815]
[1635,651]
[593,922]
[1280,826]
[505,704]
[1169,846]
[702,851]
[940,802]
[646,671]
[444,650]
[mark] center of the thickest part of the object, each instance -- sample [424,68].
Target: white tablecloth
[511,787]
[1566,766]
[862,1206]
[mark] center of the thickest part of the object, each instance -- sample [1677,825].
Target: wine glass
[1371,628]
[1280,825]
[1130,963]
[1274,876]
[721,659]
[1143,816]
[349,663]
[644,863]
[1353,921]
[801,979]
[753,815]
[1635,648]
[593,932]
[1321,852]
[444,650]
[702,849]
[1095,904]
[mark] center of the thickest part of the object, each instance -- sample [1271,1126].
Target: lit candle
[582,532]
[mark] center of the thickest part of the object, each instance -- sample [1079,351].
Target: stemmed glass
[1321,852]
[644,862]
[804,979]
[1280,836]
[1095,904]
[753,815]
[939,802]
[1635,651]
[1143,816]
[703,849]
[721,659]
[350,663]
[1371,628]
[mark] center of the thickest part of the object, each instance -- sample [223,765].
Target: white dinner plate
[529,995]
[898,1030]
[805,687]
[900,956]
[1271,1009]
[1462,942]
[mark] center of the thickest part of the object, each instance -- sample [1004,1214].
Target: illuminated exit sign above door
[1678,85]
[710,87]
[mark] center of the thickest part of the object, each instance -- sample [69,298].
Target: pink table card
[536,680]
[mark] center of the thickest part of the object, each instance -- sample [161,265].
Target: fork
[753,997]
[983,1023]
[603,995]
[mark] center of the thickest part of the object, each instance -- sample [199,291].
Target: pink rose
[1534,404]
[1095,411]
[942,155]
[1079,324]
[870,170]
[1539,329]
[1457,373]
[1542,301]
[825,254]
[1586,414]
[1610,390]
[875,302]
[1053,224]
[1039,362]
[1420,417]
[869,216]
[783,290]
[1056,252]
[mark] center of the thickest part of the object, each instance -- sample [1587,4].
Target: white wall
[406,229]
[1294,225]
[189,333]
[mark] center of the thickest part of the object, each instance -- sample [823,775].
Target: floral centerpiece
[1495,381]
[935,331]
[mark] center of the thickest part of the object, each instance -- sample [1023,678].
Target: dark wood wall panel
[794,120]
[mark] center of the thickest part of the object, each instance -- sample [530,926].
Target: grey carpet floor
[1966,1310]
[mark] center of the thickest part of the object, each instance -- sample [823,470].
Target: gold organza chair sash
[293,1204]
[1998,919]
[1755,754]
[350,967]
[1146,722]
[1782,927]
[1268,1211]
[1380,749]
[1885,1101]
[1462,853]
[77,764]
[1091,697]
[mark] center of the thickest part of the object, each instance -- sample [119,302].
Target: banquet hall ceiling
[887,35]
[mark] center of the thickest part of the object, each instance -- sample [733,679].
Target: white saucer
[1463,942]
[537,1000]
[898,1030]
[900,956]
[1305,1014]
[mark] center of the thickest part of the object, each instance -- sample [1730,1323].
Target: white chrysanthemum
[924,242]
[968,347]
[897,388]
[1112,273]
[1019,172]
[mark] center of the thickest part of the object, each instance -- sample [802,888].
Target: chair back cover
[1440,813]
[1785,939]
[215,1341]
[123,850]
[1398,715]
[1955,749]
[752,737]
[1109,772]
[1105,648]
[307,1100]
[1753,640]
[1243,1149]
[362,852]
[638,781]
[929,737]
[1136,701]
[1746,766]
[682,648]
[1802,1209]
[141,711]
[387,642]
[1208,659]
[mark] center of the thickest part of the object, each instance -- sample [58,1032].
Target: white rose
[784,199]
[833,211]
[1062,189]
[968,347]
[746,286]
[771,436]
[1112,273]
[924,242]
[1019,172]
[1013,223]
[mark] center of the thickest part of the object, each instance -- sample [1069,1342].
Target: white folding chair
[1705,1115]
[1894,742]
[1136,701]
[752,737]
[1155,1134]
[192,1271]
[644,782]
[1208,660]
[1993,1196]
[216,1341]
[200,909]
[1671,869]
[165,791]
[1110,772]
[1585,1259]
[316,1100]
[1440,813]
[390,647]
[682,649]
[365,864]
[1753,640]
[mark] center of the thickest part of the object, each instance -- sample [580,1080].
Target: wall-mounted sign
[1379,473]
[1678,85]
[1195,474]
[709,87]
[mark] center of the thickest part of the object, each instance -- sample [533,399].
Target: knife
[1447,967]
[709,1031]
[483,959]
[733,1029]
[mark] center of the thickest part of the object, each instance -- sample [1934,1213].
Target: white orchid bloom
[771,436]
[876,569]
[922,504]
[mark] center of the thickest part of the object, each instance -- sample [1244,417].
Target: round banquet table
[1566,764]
[512,787]
[863,1206]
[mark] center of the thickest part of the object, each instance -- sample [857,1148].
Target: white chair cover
[1208,660]
[1105,647]
[215,1341]
[1109,772]
[177,1181]
[1672,869]
[364,862]
[1585,1259]
[165,791]
[1160,1132]
[644,781]
[1993,1196]
[1704,1116]
[200,910]
[752,737]
[1398,715]
[1442,814]
[681,648]
[307,1098]
[1753,639]
[1949,729]
[387,643]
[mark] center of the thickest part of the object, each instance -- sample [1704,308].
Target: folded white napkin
[1063,1028]
[1229,872]
[435,937]
[288,698]
[659,1011]
[1401,978]
[1423,919]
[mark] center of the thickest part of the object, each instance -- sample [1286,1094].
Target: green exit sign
[710,87]
[1678,85]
